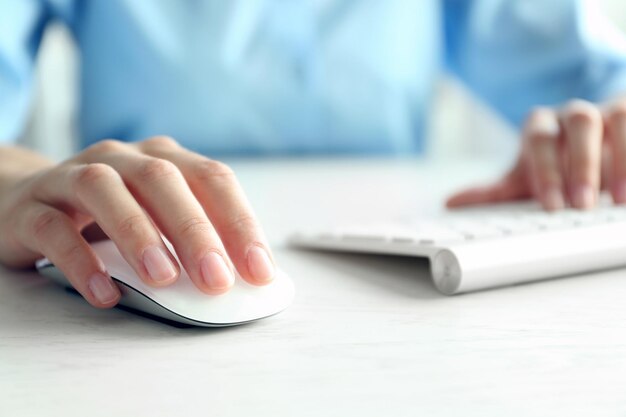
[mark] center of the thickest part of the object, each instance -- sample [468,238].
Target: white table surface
[366,336]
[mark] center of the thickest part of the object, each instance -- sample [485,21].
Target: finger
[511,187]
[161,189]
[541,135]
[582,123]
[97,189]
[46,230]
[616,134]
[216,187]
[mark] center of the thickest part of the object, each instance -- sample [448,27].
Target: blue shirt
[305,76]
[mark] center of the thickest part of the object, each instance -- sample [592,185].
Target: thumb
[512,186]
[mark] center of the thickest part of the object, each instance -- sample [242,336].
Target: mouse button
[244,302]
[117,267]
[269,298]
[115,263]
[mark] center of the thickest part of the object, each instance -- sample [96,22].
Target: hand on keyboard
[491,246]
[566,157]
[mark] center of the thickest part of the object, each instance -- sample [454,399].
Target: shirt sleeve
[21,29]
[516,54]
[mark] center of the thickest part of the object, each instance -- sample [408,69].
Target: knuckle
[162,141]
[538,114]
[541,127]
[581,113]
[210,169]
[71,251]
[106,146]
[548,178]
[130,226]
[154,169]
[89,174]
[193,225]
[242,223]
[91,177]
[538,139]
[46,222]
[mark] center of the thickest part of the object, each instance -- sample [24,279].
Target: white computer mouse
[182,302]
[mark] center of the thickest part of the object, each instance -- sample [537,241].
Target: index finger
[582,123]
[541,136]
[214,184]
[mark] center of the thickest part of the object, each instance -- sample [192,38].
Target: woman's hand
[566,157]
[135,193]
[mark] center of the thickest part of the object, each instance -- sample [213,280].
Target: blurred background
[460,126]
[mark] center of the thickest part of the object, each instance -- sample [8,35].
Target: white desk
[366,336]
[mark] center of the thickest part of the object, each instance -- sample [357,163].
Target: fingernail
[553,199]
[103,288]
[158,264]
[620,192]
[215,272]
[260,265]
[583,197]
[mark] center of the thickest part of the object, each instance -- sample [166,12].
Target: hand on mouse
[567,155]
[134,192]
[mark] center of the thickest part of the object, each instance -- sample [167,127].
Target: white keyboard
[479,248]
